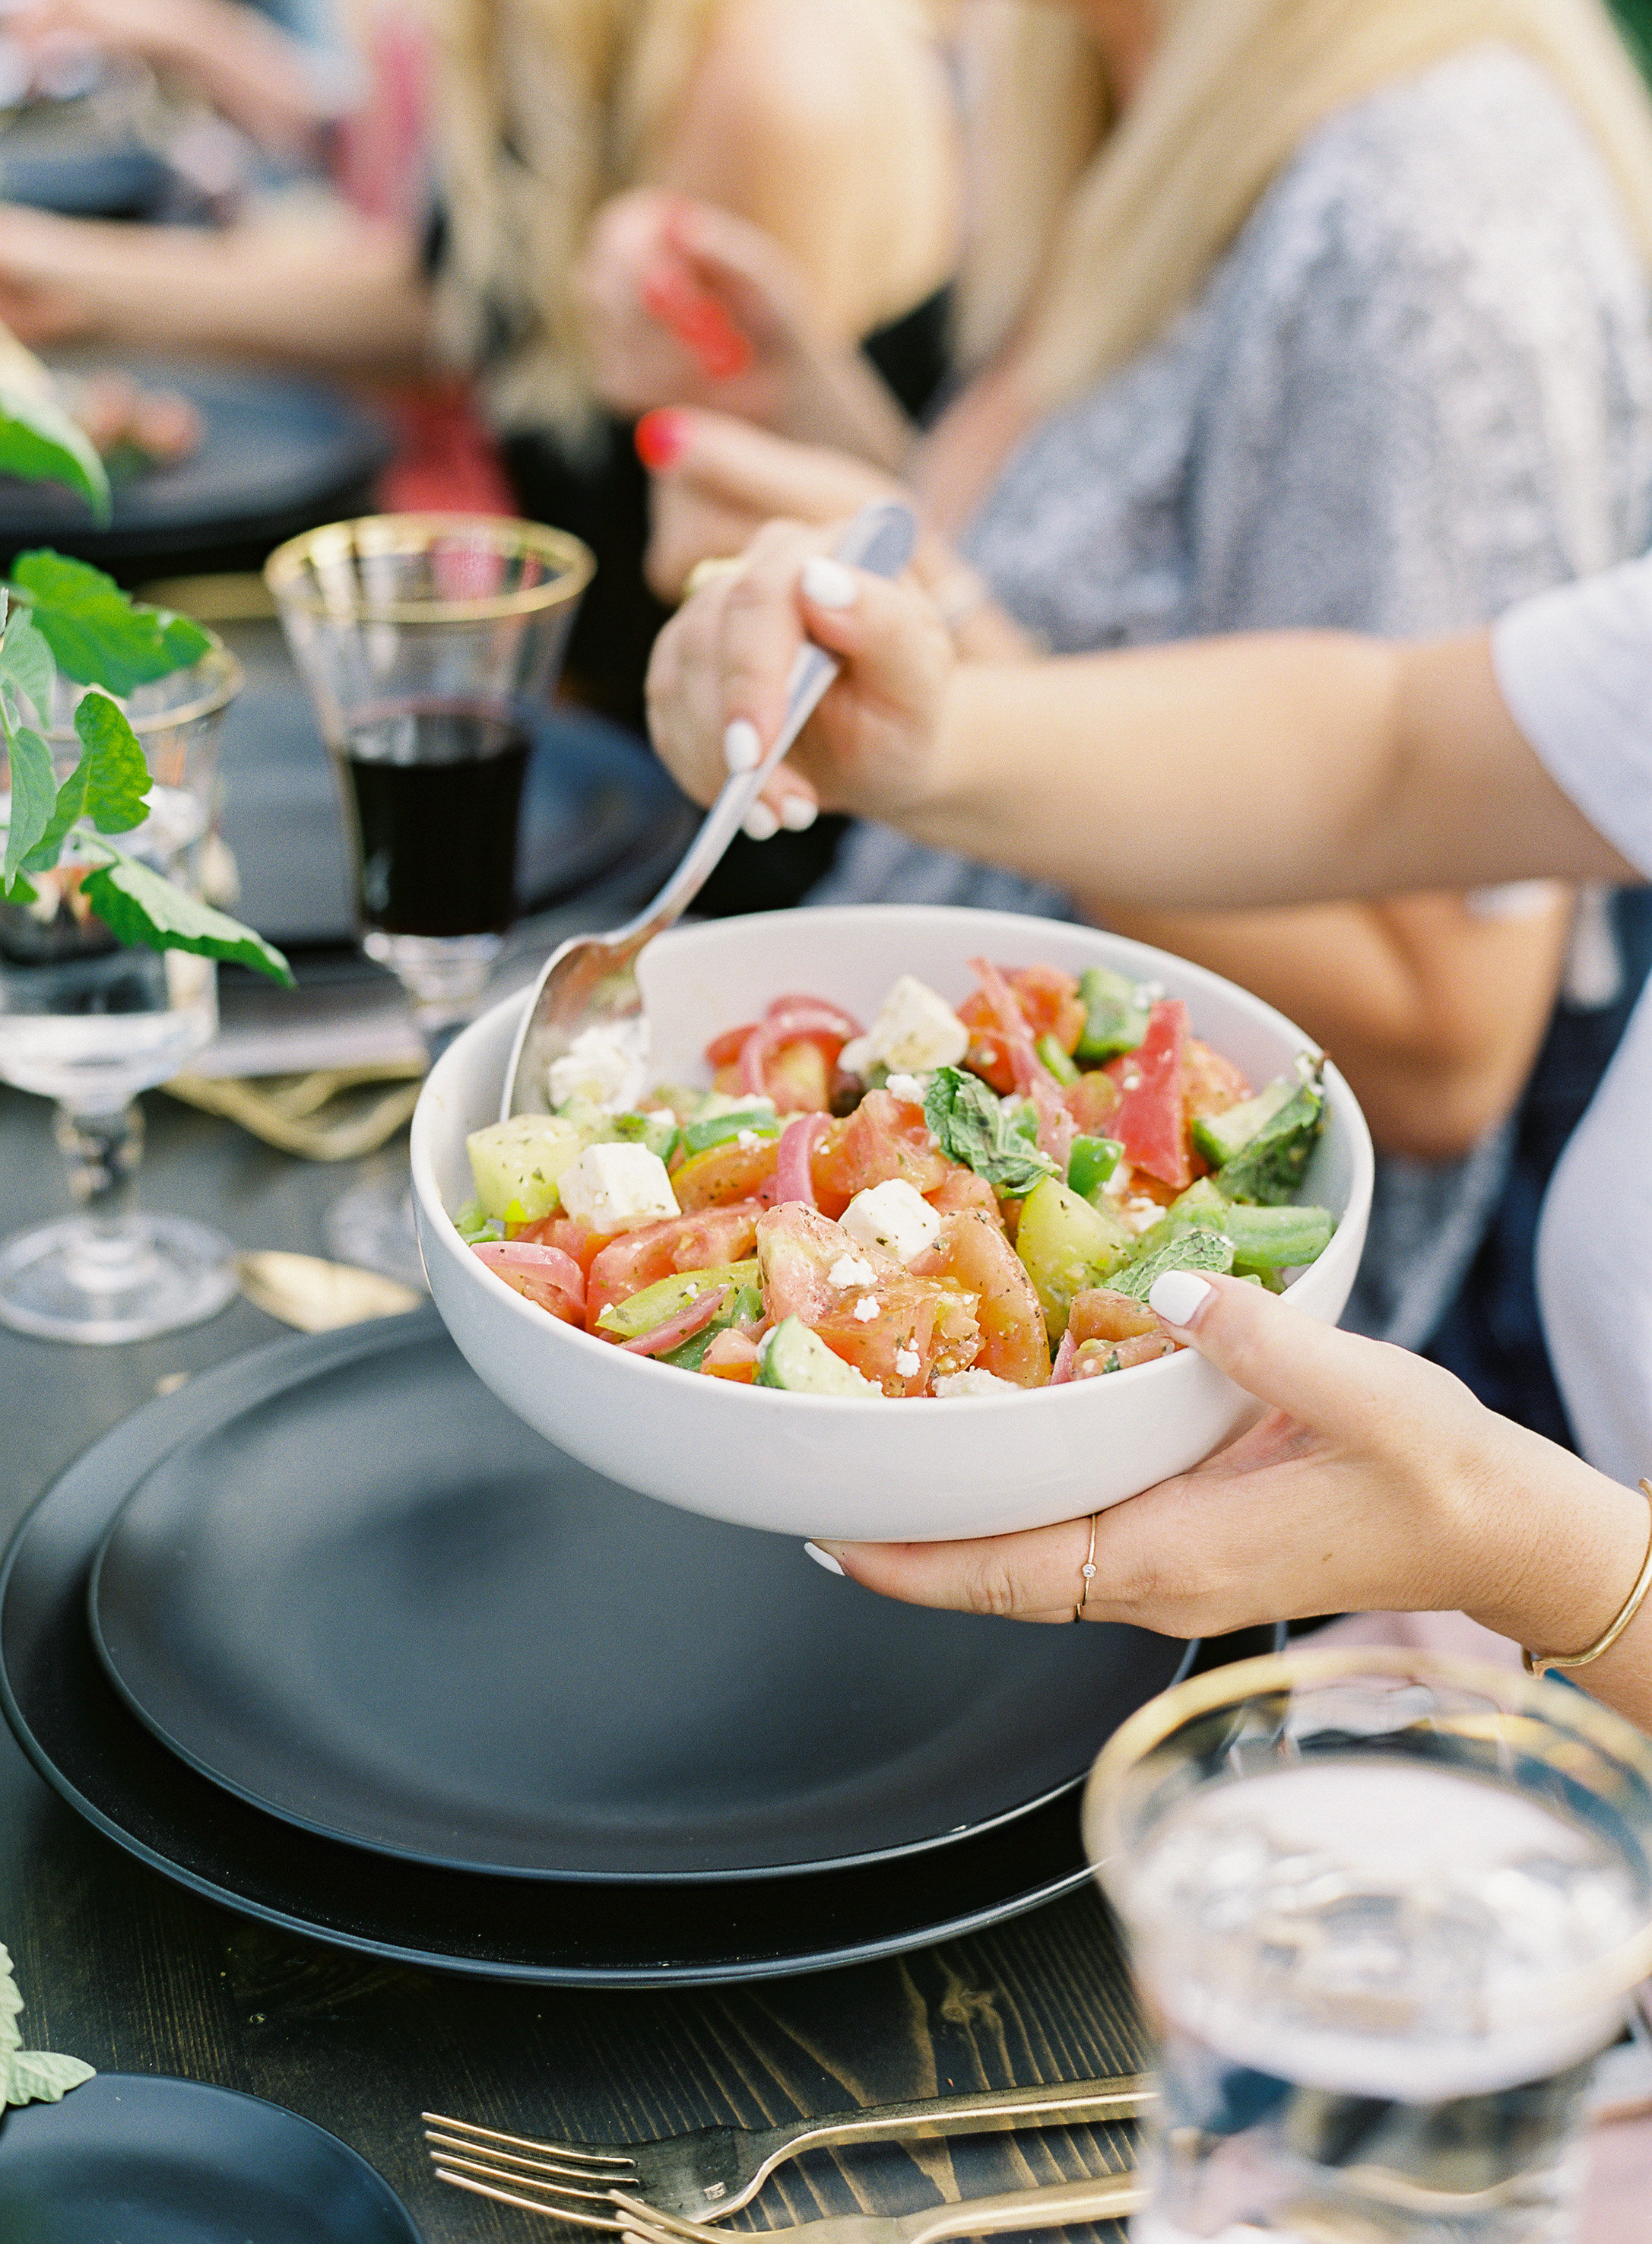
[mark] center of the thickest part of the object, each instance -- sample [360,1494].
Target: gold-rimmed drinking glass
[427,644]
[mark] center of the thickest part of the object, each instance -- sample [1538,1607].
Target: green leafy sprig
[39,442]
[975,1126]
[61,614]
[29,2076]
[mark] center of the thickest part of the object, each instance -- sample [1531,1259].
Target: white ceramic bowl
[806,1465]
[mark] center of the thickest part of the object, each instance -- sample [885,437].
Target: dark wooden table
[121,1968]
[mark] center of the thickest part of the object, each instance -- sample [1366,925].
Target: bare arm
[1282,769]
[347,294]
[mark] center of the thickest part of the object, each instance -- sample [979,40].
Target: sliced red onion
[1056,1129]
[537,1261]
[676,1329]
[787,1022]
[793,1178]
[1065,1357]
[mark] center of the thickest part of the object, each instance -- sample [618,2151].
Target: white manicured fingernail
[798,814]
[1178,1297]
[828,584]
[742,750]
[761,823]
[825,1558]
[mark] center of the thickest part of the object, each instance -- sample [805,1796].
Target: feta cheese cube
[910,1087]
[894,1217]
[605,1066]
[617,1188]
[851,1270]
[915,1029]
[952,1384]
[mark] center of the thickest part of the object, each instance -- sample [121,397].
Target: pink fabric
[1452,1635]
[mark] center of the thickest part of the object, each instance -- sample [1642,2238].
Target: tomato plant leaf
[138,904]
[41,443]
[98,635]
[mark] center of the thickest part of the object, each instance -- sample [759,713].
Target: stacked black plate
[331,1637]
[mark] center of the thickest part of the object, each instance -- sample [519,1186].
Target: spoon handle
[880,539]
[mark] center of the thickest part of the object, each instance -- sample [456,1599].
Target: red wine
[438,792]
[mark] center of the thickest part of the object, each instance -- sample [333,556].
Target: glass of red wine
[427,642]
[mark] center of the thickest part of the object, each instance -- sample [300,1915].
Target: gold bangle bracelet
[1539,1663]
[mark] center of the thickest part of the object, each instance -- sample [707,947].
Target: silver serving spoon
[591,978]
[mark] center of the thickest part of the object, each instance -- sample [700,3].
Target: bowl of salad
[855,1237]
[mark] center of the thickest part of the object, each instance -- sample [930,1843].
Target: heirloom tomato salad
[953,1201]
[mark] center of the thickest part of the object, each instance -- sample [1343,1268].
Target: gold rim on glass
[384,536]
[222,680]
[1518,1701]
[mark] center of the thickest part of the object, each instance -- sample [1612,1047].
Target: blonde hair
[1087,241]
[544,109]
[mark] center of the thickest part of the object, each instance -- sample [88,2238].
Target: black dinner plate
[141,2159]
[98,1757]
[368,1599]
[278,455]
[594,794]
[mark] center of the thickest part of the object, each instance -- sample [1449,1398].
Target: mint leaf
[97,635]
[117,780]
[976,1127]
[138,904]
[41,443]
[39,2076]
[34,793]
[26,663]
[29,2076]
[108,785]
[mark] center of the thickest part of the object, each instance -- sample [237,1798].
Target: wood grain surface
[119,1967]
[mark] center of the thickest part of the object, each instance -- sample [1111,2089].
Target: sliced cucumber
[1116,1022]
[1056,1059]
[1266,1238]
[1269,1167]
[699,1137]
[1219,1137]
[516,1164]
[799,1360]
[640,1312]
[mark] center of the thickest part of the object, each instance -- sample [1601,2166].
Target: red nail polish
[662,437]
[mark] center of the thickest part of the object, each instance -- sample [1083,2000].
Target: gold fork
[1058,2205]
[715,2171]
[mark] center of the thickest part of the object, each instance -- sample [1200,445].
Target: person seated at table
[1289,768]
[1279,314]
[830,131]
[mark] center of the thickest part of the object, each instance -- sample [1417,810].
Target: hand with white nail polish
[1375,1483]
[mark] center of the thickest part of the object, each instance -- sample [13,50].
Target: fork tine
[526,2204]
[529,2143]
[659,2227]
[571,2187]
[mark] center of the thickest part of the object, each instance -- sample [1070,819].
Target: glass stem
[101,1150]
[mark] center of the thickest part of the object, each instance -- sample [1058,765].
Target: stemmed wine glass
[427,641]
[90,1022]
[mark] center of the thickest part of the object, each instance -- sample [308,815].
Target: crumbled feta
[747,1140]
[605,1065]
[851,1270]
[616,1187]
[865,1309]
[916,1028]
[1139,1213]
[952,1384]
[893,1216]
[910,1087]
[907,1363]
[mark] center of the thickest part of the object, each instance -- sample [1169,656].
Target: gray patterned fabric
[1418,388]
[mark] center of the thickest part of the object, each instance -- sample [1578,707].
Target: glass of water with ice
[90,1022]
[1385,1911]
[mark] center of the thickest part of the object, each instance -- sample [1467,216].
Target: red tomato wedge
[885,1137]
[733,1354]
[725,1051]
[973,1251]
[1150,1122]
[640,1257]
[573,1238]
[789,1056]
[920,1323]
[725,1172]
[1092,1102]
[961,1188]
[1051,1001]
